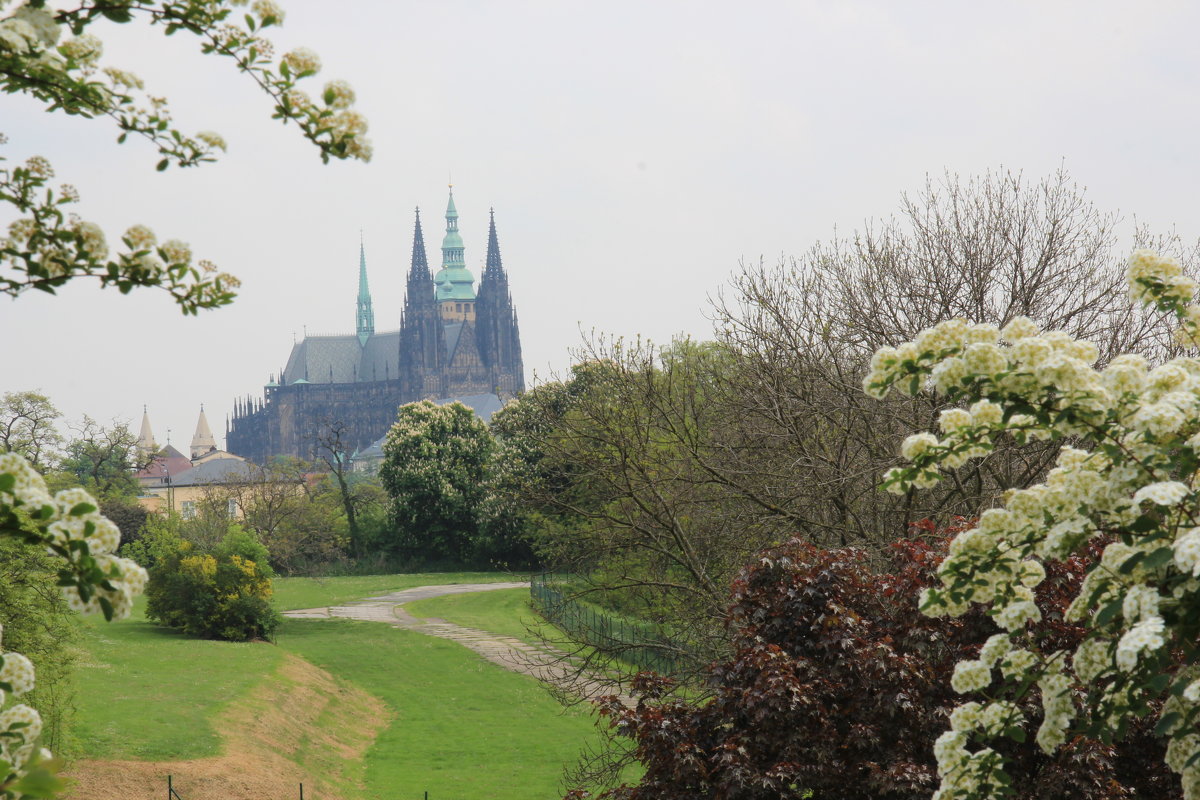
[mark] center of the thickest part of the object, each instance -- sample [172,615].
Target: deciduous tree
[435,470]
[27,426]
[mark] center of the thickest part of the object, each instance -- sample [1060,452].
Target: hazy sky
[634,152]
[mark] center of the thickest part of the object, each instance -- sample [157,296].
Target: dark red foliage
[840,686]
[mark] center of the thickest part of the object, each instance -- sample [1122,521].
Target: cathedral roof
[344,359]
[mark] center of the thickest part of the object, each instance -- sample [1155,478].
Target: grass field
[459,727]
[145,692]
[464,728]
[293,593]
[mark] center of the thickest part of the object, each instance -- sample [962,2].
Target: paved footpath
[545,664]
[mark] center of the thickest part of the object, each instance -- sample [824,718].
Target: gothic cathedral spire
[420,262]
[422,341]
[493,268]
[497,331]
[366,317]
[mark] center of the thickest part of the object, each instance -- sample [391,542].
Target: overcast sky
[634,152]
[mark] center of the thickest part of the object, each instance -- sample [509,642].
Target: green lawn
[465,729]
[148,693]
[503,611]
[293,593]
[145,692]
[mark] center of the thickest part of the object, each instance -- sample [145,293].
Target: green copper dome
[454,281]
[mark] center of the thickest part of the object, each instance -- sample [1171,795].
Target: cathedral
[453,342]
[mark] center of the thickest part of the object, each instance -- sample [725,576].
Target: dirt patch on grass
[301,726]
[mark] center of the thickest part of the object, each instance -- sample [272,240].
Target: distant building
[452,342]
[175,483]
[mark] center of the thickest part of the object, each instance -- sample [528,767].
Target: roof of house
[220,470]
[167,461]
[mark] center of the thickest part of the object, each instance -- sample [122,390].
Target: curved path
[547,665]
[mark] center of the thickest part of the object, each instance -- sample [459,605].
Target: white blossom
[1144,636]
[970,676]
[1164,493]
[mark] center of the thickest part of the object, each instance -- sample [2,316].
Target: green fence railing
[640,644]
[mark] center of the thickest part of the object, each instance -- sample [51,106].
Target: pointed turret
[145,442]
[493,264]
[496,321]
[422,340]
[420,262]
[455,283]
[203,441]
[366,317]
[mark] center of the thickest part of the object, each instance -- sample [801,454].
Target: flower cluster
[94,580]
[69,525]
[39,58]
[49,54]
[45,247]
[20,725]
[1128,481]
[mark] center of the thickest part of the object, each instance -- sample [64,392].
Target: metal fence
[641,644]
[173,793]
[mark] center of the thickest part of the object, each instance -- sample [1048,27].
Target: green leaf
[38,781]
[1158,683]
[1160,557]
[1107,613]
[1167,722]
[162,165]
[82,508]
[116,13]
[1131,563]
[7,482]
[1143,524]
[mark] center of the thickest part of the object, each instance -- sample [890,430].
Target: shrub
[839,686]
[222,594]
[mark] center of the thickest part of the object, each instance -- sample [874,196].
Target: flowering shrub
[93,580]
[837,680]
[435,469]
[1126,477]
[48,54]
[222,594]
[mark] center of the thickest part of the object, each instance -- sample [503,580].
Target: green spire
[454,281]
[366,317]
